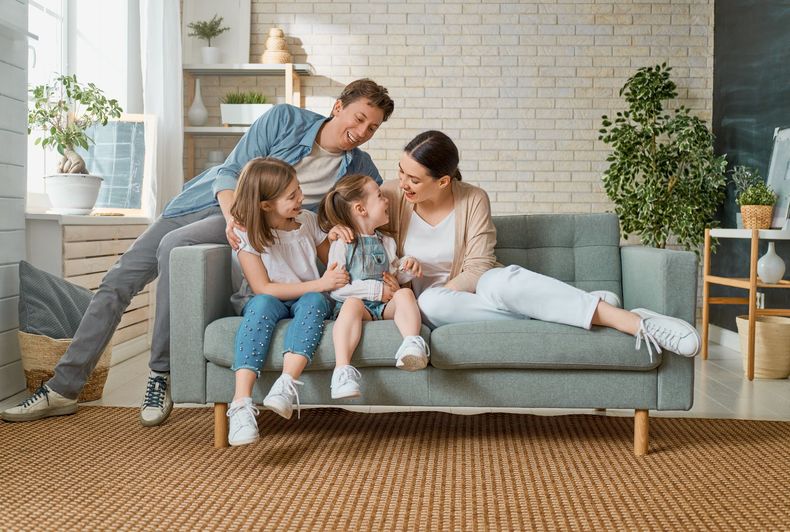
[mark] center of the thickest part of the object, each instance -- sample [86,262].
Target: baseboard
[126,350]
[724,337]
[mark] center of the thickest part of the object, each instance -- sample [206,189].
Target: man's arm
[225,198]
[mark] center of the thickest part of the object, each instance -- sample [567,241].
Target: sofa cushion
[380,340]
[535,344]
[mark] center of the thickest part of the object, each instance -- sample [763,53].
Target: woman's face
[417,183]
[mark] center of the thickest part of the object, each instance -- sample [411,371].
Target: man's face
[354,124]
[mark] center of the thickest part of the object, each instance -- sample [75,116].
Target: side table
[751,284]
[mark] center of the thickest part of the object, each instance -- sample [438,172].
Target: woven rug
[336,470]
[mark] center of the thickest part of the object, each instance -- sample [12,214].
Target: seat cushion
[535,344]
[377,347]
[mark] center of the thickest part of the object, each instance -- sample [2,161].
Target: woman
[446,225]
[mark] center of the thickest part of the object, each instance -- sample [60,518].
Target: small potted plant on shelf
[63,109]
[242,108]
[755,197]
[207,30]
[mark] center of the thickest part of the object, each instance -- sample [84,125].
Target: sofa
[510,363]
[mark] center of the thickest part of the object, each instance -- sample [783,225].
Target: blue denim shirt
[285,132]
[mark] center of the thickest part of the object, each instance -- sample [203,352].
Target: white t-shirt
[434,247]
[317,173]
[291,259]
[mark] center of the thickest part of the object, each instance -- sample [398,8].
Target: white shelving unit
[290,72]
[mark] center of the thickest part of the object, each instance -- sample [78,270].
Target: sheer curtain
[160,49]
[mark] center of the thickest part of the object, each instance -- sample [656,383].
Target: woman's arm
[480,242]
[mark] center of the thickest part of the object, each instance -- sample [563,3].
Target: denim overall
[366,259]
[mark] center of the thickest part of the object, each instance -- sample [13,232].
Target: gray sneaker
[666,332]
[157,403]
[45,402]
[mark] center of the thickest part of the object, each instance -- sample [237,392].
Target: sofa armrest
[200,290]
[664,281]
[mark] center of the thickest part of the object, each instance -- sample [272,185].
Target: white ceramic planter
[211,55]
[242,114]
[72,193]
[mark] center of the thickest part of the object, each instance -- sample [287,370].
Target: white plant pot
[72,193]
[211,55]
[242,114]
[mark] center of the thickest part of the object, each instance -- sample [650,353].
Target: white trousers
[510,293]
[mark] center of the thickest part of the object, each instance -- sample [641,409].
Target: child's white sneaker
[666,332]
[243,427]
[412,354]
[282,396]
[345,382]
[608,297]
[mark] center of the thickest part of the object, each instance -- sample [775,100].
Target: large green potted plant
[755,198]
[63,110]
[207,30]
[663,176]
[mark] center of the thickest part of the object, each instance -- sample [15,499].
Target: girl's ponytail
[335,207]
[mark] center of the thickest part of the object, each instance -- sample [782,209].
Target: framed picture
[779,177]
[234,44]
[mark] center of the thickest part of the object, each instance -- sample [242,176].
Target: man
[321,149]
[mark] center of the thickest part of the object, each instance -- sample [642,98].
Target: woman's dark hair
[436,152]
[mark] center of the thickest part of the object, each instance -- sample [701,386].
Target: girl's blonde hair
[261,179]
[335,207]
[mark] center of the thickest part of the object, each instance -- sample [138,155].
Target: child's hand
[334,277]
[389,287]
[341,232]
[411,265]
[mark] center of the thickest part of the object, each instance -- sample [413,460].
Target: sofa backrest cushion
[580,249]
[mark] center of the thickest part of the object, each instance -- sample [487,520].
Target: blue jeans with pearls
[261,314]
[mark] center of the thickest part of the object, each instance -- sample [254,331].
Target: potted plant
[242,108]
[663,176]
[207,30]
[754,196]
[63,109]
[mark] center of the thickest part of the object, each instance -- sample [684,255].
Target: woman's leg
[261,314]
[623,320]
[441,306]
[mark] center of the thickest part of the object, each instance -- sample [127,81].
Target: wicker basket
[757,216]
[771,346]
[40,354]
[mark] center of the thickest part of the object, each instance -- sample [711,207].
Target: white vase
[197,114]
[72,193]
[770,267]
[211,55]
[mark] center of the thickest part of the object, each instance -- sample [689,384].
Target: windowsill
[88,219]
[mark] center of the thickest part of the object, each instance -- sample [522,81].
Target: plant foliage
[750,188]
[63,109]
[207,29]
[663,177]
[243,97]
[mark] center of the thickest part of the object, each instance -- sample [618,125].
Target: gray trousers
[147,258]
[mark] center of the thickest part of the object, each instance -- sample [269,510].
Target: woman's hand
[334,277]
[341,232]
[233,238]
[389,287]
[411,265]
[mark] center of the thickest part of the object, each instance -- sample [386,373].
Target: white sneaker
[157,403]
[666,332]
[608,297]
[45,402]
[282,396]
[243,428]
[412,354]
[345,382]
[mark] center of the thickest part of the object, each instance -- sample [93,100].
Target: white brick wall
[520,86]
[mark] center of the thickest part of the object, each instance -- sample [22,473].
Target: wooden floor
[721,391]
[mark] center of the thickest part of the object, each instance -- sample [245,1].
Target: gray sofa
[518,363]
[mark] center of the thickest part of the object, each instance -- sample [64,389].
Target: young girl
[278,257]
[374,293]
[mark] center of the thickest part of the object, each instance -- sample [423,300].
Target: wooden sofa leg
[641,432]
[220,425]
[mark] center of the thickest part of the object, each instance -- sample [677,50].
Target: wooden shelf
[763,234]
[248,69]
[743,282]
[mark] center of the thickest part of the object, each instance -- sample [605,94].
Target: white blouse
[433,246]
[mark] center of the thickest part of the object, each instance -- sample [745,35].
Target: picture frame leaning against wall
[779,178]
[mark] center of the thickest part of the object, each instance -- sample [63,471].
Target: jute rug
[336,470]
